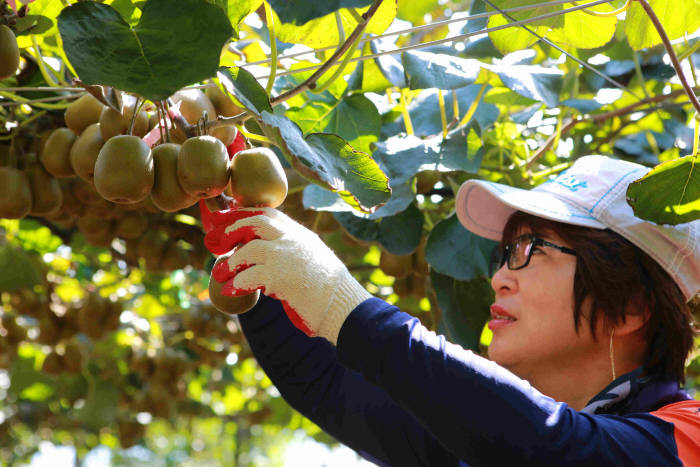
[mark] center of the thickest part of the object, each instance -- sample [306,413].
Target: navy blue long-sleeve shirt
[401,395]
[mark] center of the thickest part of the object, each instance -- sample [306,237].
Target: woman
[590,333]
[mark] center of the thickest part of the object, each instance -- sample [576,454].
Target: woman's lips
[500,318]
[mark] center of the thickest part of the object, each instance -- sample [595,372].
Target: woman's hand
[288,262]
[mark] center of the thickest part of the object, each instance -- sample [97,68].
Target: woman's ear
[636,317]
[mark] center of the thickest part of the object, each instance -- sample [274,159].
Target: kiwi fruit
[82,113]
[175,257]
[257,178]
[167,194]
[228,304]
[9,52]
[113,123]
[55,157]
[15,193]
[222,103]
[85,192]
[225,134]
[91,226]
[47,197]
[124,170]
[193,104]
[398,266]
[83,154]
[131,225]
[203,166]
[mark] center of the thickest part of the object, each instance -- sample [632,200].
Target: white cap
[591,193]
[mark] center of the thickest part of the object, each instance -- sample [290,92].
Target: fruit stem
[133,117]
[273,48]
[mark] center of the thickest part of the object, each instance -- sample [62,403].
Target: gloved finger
[244,257]
[247,281]
[269,226]
[224,236]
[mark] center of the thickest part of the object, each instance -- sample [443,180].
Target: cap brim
[484,208]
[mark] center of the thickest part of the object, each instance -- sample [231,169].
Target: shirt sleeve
[481,412]
[359,414]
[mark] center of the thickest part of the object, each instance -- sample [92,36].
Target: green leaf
[585,31]
[669,193]
[173,45]
[398,234]
[431,70]
[33,24]
[17,269]
[354,118]
[464,308]
[415,10]
[456,252]
[37,392]
[101,405]
[299,12]
[515,38]
[535,82]
[678,17]
[328,160]
[242,85]
[238,10]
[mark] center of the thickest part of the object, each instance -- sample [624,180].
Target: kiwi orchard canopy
[131,130]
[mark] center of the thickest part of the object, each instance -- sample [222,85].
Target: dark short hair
[615,273]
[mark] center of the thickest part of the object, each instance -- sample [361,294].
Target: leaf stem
[339,26]
[273,48]
[696,135]
[310,82]
[473,106]
[404,112]
[689,51]
[606,14]
[341,68]
[19,100]
[42,66]
[356,15]
[254,137]
[443,115]
[671,53]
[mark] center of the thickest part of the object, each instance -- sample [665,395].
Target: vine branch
[671,53]
[310,82]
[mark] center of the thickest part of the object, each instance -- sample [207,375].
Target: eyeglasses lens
[498,259]
[519,252]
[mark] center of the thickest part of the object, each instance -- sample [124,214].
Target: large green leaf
[431,70]
[515,38]
[668,194]
[17,269]
[237,10]
[101,405]
[399,234]
[299,12]
[535,82]
[354,118]
[583,30]
[464,308]
[678,17]
[242,85]
[328,160]
[456,252]
[323,31]
[173,45]
[415,10]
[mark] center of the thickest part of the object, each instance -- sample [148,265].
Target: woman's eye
[537,250]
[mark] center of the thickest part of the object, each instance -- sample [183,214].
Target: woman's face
[537,302]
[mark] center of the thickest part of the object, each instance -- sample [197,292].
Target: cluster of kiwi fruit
[9,50]
[409,271]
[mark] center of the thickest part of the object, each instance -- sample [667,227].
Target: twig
[671,53]
[599,118]
[310,82]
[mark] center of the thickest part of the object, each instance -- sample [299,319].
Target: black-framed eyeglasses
[517,254]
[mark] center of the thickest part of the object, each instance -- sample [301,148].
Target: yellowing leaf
[585,31]
[678,17]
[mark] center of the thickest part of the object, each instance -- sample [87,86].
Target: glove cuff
[348,295]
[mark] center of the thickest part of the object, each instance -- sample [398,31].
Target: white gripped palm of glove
[288,262]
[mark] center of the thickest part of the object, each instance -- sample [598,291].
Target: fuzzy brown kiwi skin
[193,104]
[84,152]
[55,157]
[113,123]
[203,166]
[167,194]
[82,113]
[124,170]
[9,52]
[257,178]
[223,105]
[228,304]
[15,193]
[47,196]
